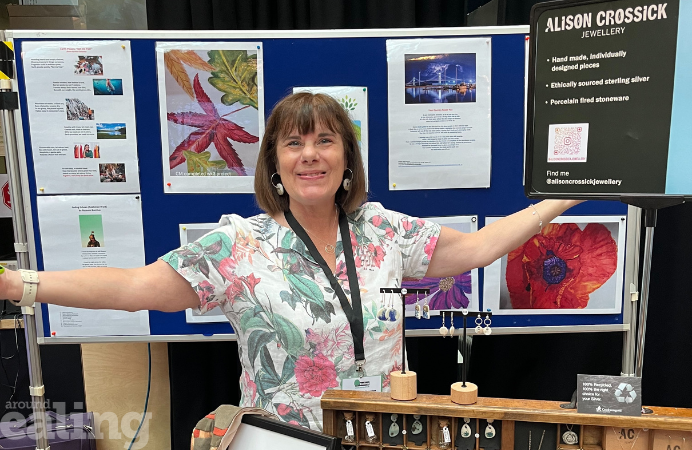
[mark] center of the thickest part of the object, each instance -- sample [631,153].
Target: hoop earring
[279,187]
[347,181]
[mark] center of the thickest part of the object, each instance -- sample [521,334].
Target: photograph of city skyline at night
[440,78]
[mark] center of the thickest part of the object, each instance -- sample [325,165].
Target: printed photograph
[87,150]
[112,173]
[111,131]
[91,230]
[88,65]
[108,86]
[567,267]
[440,78]
[212,112]
[78,110]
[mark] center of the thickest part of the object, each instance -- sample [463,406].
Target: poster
[605,125]
[211,101]
[80,231]
[6,203]
[190,232]
[575,265]
[456,292]
[81,109]
[439,113]
[355,100]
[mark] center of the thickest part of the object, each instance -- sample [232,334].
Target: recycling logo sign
[625,393]
[609,395]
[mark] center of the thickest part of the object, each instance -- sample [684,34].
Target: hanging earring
[392,313]
[490,430]
[466,429]
[479,322]
[347,181]
[416,309]
[487,322]
[426,309]
[382,312]
[451,326]
[278,186]
[443,328]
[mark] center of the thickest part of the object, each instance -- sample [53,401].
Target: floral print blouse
[294,339]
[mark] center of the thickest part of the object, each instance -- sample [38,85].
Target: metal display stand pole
[8,104]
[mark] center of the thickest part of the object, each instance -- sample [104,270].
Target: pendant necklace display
[569,436]
[416,426]
[466,429]
[394,427]
[370,437]
[490,430]
[350,433]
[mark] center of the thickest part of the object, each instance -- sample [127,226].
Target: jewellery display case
[497,424]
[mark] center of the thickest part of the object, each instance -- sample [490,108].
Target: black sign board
[609,395]
[610,100]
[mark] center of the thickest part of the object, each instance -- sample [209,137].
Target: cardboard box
[672,440]
[47,17]
[617,438]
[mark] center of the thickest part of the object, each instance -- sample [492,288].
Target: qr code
[568,142]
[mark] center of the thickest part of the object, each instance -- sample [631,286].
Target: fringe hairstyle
[302,112]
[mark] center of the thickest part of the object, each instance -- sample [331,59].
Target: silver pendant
[394,427]
[490,431]
[466,431]
[570,437]
[416,426]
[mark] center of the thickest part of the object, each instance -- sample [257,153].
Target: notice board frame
[508,74]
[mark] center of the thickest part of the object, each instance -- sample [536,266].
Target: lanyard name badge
[354,311]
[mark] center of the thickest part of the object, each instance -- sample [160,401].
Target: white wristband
[30,279]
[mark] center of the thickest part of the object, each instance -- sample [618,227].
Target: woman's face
[311,165]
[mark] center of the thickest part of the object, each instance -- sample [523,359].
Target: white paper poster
[457,292]
[439,113]
[6,203]
[355,100]
[211,102]
[81,116]
[575,265]
[190,232]
[80,231]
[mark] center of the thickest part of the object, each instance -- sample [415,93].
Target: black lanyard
[354,311]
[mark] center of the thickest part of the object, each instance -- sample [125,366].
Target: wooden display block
[619,438]
[672,440]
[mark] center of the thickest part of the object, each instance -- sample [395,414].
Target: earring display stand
[463,392]
[403,384]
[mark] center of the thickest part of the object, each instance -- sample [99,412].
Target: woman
[296,327]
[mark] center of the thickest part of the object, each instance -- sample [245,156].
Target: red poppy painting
[560,267]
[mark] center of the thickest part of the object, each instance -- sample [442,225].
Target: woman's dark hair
[302,112]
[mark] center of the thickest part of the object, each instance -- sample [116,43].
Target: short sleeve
[416,237]
[208,264]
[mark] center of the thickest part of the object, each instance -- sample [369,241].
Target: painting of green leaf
[235,74]
[349,104]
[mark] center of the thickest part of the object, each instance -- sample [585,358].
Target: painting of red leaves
[212,111]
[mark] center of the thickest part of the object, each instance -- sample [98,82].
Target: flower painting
[567,267]
[211,105]
[454,292]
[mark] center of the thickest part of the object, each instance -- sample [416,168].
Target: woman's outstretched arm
[153,287]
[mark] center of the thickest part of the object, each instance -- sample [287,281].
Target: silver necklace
[570,437]
[329,248]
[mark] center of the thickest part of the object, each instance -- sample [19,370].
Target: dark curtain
[302,14]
